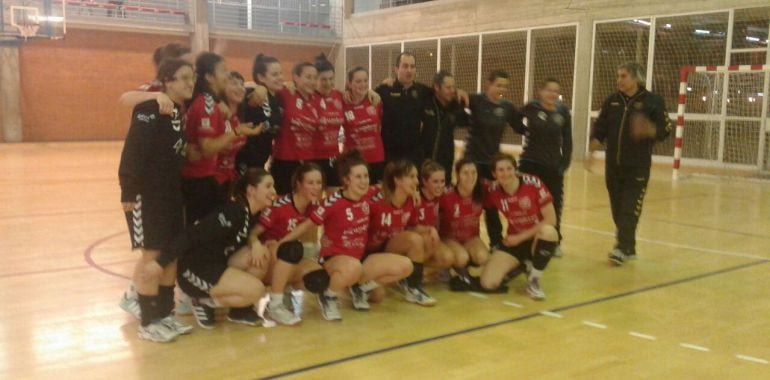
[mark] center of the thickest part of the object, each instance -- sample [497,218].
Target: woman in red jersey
[295,141]
[433,185]
[278,221]
[460,211]
[345,217]
[531,237]
[207,136]
[392,212]
[363,123]
[329,104]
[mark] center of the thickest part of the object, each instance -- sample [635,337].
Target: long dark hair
[252,177]
[205,64]
[322,63]
[299,174]
[478,193]
[261,62]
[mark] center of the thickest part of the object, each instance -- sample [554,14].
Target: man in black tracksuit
[442,114]
[629,123]
[402,108]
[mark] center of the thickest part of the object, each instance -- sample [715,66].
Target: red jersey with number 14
[522,209]
[363,130]
[346,224]
[459,216]
[386,220]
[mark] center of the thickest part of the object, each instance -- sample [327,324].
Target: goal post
[722,120]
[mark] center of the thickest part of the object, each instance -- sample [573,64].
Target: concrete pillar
[199,39]
[582,107]
[10,93]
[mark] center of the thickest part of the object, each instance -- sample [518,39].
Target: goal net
[722,121]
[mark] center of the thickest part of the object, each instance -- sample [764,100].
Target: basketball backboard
[24,19]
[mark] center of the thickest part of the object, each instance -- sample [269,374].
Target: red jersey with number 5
[386,220]
[346,224]
[522,209]
[282,218]
[459,216]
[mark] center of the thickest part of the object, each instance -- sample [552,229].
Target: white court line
[551,314]
[751,359]
[594,324]
[642,336]
[694,347]
[512,304]
[672,245]
[478,295]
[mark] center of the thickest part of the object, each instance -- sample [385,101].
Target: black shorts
[521,252]
[196,276]
[154,222]
[376,170]
[282,172]
[201,196]
[330,174]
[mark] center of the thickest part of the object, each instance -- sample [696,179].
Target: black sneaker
[617,256]
[204,314]
[515,272]
[460,284]
[243,315]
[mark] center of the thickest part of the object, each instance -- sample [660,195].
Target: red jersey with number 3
[460,217]
[386,220]
[295,139]
[346,224]
[363,126]
[203,121]
[522,209]
[427,211]
[282,218]
[330,119]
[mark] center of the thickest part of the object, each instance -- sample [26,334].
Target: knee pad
[316,281]
[290,252]
[545,248]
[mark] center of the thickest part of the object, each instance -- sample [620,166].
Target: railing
[322,18]
[360,6]
[128,12]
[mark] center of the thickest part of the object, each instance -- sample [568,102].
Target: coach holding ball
[630,122]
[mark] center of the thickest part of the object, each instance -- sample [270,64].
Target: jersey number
[457,211]
[349,214]
[386,219]
[292,224]
[504,203]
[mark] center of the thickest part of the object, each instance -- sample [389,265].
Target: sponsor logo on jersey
[337,104]
[614,104]
[525,203]
[205,123]
[395,94]
[145,117]
[298,104]
[499,112]
[415,94]
[430,112]
[365,207]
[371,110]
[638,105]
[542,115]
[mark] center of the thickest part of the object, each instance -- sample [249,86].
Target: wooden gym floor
[695,305]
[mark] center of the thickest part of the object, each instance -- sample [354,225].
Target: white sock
[276,299]
[368,286]
[330,293]
[536,273]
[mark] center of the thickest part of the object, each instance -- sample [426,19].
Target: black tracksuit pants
[626,186]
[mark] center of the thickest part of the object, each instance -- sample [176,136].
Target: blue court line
[512,320]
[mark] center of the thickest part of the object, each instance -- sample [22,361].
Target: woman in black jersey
[150,181]
[266,72]
[209,250]
[547,126]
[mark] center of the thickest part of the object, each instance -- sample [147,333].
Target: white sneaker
[174,324]
[130,304]
[280,314]
[418,296]
[617,256]
[359,297]
[157,332]
[330,308]
[534,290]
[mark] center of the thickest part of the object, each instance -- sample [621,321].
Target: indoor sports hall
[695,304]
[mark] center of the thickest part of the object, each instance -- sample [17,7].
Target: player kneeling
[531,237]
